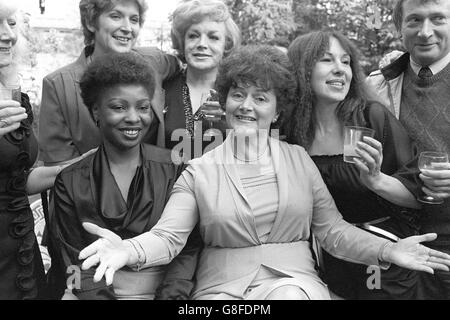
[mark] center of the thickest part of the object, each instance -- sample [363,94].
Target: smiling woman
[66,128]
[127,182]
[203,33]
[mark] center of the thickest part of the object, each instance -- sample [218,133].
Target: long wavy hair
[304,52]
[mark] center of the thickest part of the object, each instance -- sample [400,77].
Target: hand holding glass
[432,161]
[211,109]
[11,113]
[353,135]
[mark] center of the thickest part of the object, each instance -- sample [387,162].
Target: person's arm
[156,247]
[350,243]
[386,155]
[384,185]
[43,178]
[167,65]
[55,140]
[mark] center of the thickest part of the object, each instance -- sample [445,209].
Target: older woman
[203,32]
[21,269]
[368,193]
[257,200]
[123,186]
[66,128]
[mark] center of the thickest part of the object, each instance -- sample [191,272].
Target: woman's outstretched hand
[411,254]
[110,253]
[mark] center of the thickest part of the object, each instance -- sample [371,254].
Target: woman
[66,128]
[256,199]
[124,185]
[331,95]
[21,268]
[203,32]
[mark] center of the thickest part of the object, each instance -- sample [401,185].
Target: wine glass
[206,97]
[429,160]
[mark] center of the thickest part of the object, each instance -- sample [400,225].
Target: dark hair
[304,52]
[264,66]
[90,10]
[397,14]
[114,69]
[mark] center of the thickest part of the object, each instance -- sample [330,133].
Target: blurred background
[53,34]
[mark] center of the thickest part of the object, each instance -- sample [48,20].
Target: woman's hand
[369,164]
[437,182]
[109,252]
[409,253]
[212,110]
[11,114]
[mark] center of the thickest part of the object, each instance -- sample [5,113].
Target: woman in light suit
[257,200]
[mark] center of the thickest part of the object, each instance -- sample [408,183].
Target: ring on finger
[3,123]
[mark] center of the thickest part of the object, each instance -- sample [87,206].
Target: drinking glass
[10,92]
[353,135]
[432,161]
[209,96]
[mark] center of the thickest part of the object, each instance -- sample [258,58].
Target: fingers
[438,195]
[89,251]
[424,238]
[91,261]
[109,275]
[100,272]
[439,256]
[101,232]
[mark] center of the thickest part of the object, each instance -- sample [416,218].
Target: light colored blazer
[66,129]
[210,192]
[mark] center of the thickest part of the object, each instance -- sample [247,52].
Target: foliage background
[366,22]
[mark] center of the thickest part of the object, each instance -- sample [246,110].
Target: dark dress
[358,204]
[189,141]
[88,192]
[21,268]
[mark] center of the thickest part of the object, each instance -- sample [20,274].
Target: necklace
[252,160]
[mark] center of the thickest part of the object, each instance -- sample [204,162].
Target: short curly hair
[90,10]
[114,69]
[264,66]
[191,12]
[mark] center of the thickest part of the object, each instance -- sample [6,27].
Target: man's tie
[425,73]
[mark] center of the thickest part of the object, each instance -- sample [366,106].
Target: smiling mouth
[122,39]
[245,118]
[336,83]
[131,133]
[5,50]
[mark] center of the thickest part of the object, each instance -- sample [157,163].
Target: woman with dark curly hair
[124,186]
[257,201]
[370,193]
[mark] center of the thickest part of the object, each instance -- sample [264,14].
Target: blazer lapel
[242,205]
[281,170]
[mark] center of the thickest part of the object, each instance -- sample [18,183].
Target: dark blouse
[358,204]
[21,269]
[88,192]
[178,115]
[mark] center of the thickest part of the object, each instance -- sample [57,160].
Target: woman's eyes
[12,23]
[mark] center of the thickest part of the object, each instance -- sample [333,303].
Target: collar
[396,68]
[436,67]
